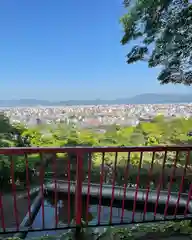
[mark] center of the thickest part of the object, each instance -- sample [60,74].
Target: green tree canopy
[165,30]
[5,126]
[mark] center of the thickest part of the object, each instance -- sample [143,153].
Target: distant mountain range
[148,98]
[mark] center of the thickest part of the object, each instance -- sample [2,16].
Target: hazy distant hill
[148,98]
[23,102]
[152,98]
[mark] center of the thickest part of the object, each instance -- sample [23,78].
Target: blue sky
[69,49]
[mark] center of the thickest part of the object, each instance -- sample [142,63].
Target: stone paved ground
[8,210]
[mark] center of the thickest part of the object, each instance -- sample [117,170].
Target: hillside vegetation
[157,132]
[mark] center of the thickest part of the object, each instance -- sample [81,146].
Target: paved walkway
[8,210]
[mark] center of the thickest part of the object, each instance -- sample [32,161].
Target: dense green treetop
[158,131]
[164,28]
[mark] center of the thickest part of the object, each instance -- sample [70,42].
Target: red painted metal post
[160,184]
[113,188]
[170,183]
[125,186]
[14,194]
[137,187]
[42,172]
[78,195]
[182,182]
[88,190]
[148,186]
[55,188]
[100,188]
[28,187]
[69,193]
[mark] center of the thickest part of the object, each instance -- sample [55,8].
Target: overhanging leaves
[167,25]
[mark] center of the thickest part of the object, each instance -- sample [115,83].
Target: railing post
[78,192]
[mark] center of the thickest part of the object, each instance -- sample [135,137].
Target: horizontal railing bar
[82,149]
[94,192]
[120,187]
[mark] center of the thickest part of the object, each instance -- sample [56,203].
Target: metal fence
[164,166]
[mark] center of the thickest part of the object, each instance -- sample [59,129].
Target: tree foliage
[158,131]
[165,30]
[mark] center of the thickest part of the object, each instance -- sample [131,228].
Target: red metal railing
[84,181]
